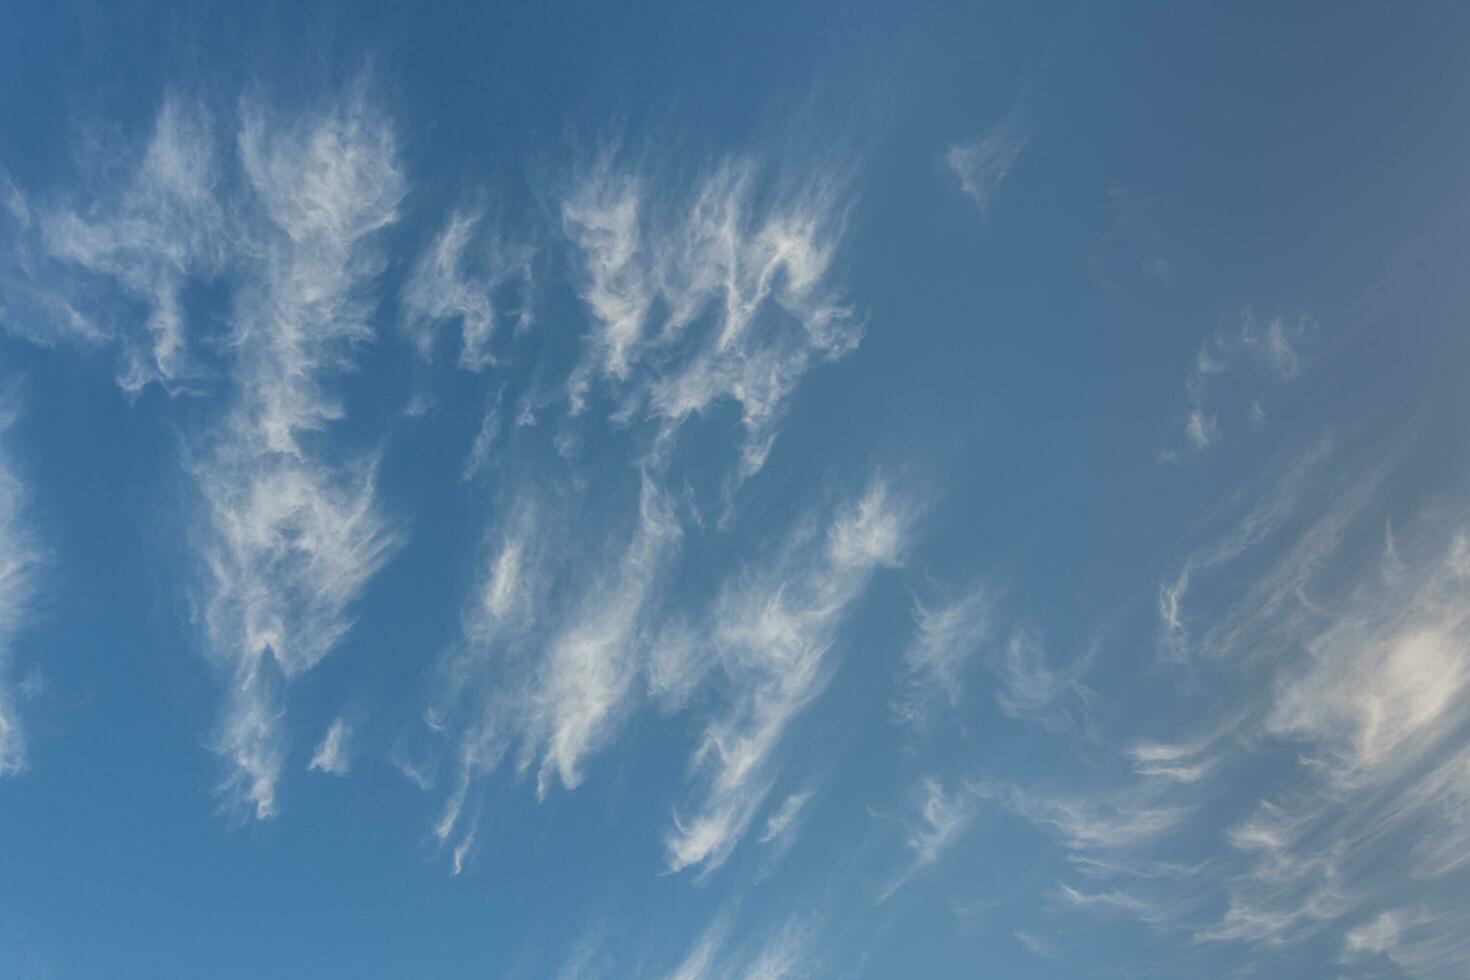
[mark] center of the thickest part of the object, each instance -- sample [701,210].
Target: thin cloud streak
[938,820]
[556,678]
[21,561]
[775,628]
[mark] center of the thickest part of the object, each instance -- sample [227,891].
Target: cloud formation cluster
[152,224]
[1332,805]
[721,295]
[727,295]
[286,215]
[774,628]
[1269,353]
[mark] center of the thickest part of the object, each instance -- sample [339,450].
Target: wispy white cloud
[460,277]
[459,855]
[164,225]
[20,566]
[1377,936]
[702,960]
[942,817]
[784,954]
[1185,762]
[589,957]
[727,297]
[331,755]
[1290,487]
[947,635]
[1371,712]
[554,673]
[591,663]
[291,536]
[1117,901]
[1416,938]
[782,824]
[716,291]
[145,234]
[786,957]
[937,821]
[982,164]
[602,217]
[506,594]
[1364,713]
[782,827]
[1100,824]
[774,628]
[1271,351]
[1032,690]
[38,301]
[1036,944]
[490,425]
[1336,654]
[1111,836]
[1201,430]
[679,659]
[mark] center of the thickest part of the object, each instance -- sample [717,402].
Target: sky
[734,491]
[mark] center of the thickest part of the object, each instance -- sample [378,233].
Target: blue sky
[747,491]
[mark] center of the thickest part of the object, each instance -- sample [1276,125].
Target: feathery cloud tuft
[982,164]
[145,235]
[458,278]
[331,755]
[1272,351]
[726,297]
[775,628]
[947,636]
